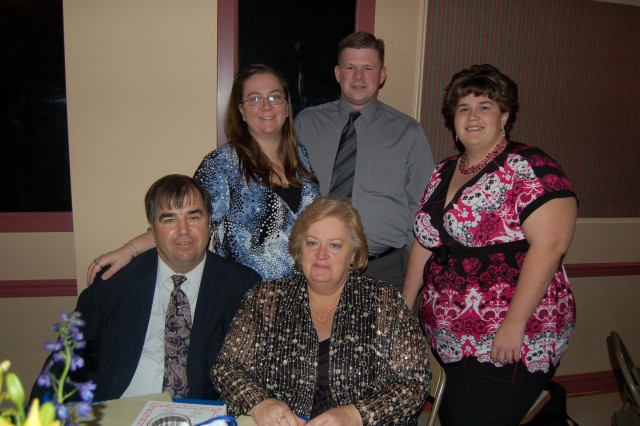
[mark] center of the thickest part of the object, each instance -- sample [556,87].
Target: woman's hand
[345,415]
[272,412]
[507,343]
[117,259]
[121,257]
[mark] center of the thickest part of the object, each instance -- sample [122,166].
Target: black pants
[480,394]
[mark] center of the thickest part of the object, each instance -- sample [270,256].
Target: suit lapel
[202,323]
[137,299]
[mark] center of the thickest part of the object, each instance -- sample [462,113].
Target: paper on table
[120,412]
[195,412]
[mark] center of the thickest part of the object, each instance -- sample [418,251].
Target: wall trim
[586,383]
[38,288]
[36,222]
[68,287]
[365,15]
[611,269]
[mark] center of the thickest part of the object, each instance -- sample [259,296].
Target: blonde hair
[341,209]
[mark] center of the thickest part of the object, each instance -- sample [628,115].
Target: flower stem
[67,366]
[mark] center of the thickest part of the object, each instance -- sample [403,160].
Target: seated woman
[327,343]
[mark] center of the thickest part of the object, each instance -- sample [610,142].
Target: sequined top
[377,359]
[479,246]
[251,224]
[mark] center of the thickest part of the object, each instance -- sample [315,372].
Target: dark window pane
[34,165]
[300,39]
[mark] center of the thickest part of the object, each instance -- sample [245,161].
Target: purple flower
[76,362]
[86,390]
[63,351]
[83,409]
[77,336]
[58,356]
[44,379]
[53,346]
[62,411]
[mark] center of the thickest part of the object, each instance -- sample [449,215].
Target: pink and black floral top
[478,248]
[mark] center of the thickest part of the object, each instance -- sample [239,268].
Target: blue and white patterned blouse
[251,224]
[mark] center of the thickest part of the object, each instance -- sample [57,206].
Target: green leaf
[15,389]
[47,413]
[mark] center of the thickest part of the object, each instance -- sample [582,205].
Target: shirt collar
[367,112]
[193,277]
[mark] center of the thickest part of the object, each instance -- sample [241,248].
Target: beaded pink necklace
[490,156]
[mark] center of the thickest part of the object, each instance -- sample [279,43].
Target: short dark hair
[362,40]
[341,209]
[174,191]
[481,80]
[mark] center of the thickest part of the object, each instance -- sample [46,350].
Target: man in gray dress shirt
[393,160]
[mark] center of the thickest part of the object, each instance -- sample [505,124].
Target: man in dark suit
[127,317]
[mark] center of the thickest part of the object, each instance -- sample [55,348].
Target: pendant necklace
[490,156]
[322,317]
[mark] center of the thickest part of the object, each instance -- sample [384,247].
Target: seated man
[157,326]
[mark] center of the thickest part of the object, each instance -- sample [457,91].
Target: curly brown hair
[480,80]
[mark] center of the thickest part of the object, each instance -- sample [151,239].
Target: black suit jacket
[116,312]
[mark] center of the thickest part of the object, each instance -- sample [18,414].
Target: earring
[504,134]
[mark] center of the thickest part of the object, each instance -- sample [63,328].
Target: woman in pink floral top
[491,230]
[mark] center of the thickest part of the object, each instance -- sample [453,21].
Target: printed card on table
[196,413]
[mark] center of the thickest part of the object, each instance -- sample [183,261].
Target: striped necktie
[344,168]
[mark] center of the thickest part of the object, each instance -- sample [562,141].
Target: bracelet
[135,250]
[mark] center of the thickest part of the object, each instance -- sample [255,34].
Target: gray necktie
[177,336]
[344,168]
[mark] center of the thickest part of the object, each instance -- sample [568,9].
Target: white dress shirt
[150,371]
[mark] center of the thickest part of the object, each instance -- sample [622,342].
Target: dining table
[124,411]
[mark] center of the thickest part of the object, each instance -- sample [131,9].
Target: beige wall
[604,303]
[141,89]
[401,25]
[141,96]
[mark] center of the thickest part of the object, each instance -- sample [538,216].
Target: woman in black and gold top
[329,343]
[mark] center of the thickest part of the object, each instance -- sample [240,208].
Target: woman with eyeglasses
[260,181]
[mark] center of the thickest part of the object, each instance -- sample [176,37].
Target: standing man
[362,148]
[158,325]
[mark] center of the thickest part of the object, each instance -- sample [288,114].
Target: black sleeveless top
[322,399]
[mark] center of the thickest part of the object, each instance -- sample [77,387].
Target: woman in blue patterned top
[259,182]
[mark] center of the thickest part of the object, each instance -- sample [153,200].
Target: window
[34,166]
[291,35]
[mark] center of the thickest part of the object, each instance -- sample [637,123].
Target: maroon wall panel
[577,65]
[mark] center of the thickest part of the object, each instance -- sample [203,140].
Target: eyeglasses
[259,100]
